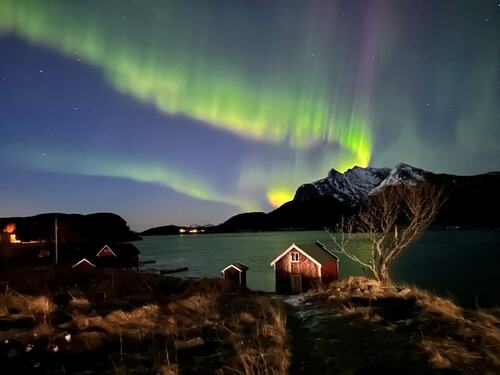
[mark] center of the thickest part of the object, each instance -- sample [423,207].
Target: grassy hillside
[360,326]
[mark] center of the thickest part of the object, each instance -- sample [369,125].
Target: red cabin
[236,273]
[84,264]
[302,267]
[106,252]
[120,255]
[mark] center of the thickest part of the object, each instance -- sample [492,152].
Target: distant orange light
[10,228]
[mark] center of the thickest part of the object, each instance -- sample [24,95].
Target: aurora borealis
[191,111]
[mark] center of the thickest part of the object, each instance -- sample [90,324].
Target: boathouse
[304,266]
[120,255]
[236,273]
[84,264]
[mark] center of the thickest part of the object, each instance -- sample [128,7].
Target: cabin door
[296,284]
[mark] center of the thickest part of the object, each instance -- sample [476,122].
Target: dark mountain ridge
[471,201]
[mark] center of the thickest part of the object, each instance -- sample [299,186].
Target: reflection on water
[461,263]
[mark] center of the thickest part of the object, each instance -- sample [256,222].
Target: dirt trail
[327,343]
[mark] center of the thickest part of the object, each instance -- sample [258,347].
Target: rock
[13,353]
[53,348]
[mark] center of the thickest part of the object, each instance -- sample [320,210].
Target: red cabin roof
[316,252]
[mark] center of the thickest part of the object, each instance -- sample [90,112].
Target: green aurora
[327,87]
[185,70]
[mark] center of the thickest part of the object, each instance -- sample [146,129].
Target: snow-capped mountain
[356,183]
[470,201]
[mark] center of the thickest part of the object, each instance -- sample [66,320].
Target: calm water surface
[464,264]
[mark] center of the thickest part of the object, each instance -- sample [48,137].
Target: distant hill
[161,231]
[72,228]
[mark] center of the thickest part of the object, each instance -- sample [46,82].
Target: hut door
[296,283]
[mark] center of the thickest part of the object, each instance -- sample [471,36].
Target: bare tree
[392,219]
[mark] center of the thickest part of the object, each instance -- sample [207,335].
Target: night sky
[192,111]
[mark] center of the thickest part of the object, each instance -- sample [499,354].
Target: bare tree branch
[393,219]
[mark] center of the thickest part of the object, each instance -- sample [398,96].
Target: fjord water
[463,264]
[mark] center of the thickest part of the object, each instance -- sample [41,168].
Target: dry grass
[110,321]
[450,336]
[258,334]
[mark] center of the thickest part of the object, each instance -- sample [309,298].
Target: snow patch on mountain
[357,183]
[402,174]
[348,187]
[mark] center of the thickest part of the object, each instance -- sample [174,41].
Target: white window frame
[295,256]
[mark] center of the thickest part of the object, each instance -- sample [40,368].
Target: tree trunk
[383,274]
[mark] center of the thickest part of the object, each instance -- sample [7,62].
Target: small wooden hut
[302,267]
[236,273]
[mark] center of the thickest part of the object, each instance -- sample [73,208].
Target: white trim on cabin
[104,248]
[295,259]
[293,246]
[233,266]
[81,261]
